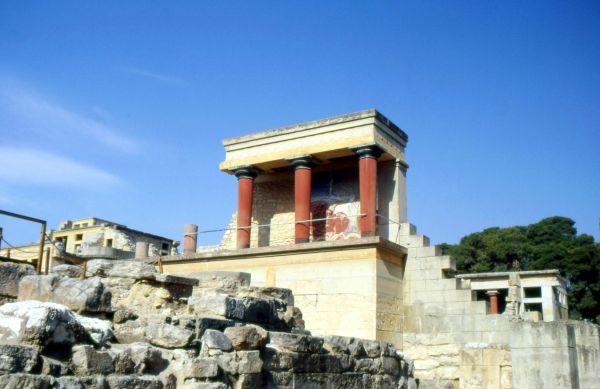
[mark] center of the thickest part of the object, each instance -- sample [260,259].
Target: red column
[190,238]
[367,175]
[494,310]
[245,178]
[302,189]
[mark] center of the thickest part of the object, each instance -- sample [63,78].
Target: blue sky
[117,109]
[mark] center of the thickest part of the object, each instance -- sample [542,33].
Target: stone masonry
[127,326]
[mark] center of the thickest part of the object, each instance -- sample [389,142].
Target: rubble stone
[168,335]
[10,276]
[66,270]
[15,359]
[79,295]
[44,325]
[202,368]
[100,331]
[86,360]
[133,382]
[216,340]
[139,358]
[119,269]
[26,381]
[295,342]
[157,346]
[54,367]
[73,382]
[246,337]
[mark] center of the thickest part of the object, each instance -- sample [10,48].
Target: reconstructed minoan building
[542,294]
[92,237]
[322,210]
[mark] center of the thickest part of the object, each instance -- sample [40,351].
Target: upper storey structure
[345,175]
[324,139]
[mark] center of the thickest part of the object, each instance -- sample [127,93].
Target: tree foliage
[551,243]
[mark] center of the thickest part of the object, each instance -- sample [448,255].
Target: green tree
[552,243]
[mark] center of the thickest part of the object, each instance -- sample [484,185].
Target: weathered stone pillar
[141,250]
[367,175]
[245,176]
[302,188]
[190,238]
[494,309]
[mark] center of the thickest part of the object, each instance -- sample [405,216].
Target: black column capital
[367,151]
[303,162]
[246,171]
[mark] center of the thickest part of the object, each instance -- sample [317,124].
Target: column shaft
[302,188]
[245,177]
[190,238]
[367,175]
[244,216]
[494,307]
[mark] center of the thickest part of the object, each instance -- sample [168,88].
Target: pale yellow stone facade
[398,289]
[334,283]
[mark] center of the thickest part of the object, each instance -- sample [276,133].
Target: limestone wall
[350,292]
[558,354]
[453,338]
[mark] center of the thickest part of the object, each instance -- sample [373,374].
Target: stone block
[496,357]
[343,345]
[424,252]
[100,331]
[248,362]
[133,382]
[283,295]
[19,359]
[87,295]
[216,340]
[202,368]
[119,269]
[471,356]
[138,358]
[130,331]
[54,367]
[407,229]
[203,323]
[10,276]
[248,309]
[247,337]
[26,381]
[415,241]
[66,270]
[87,361]
[230,281]
[295,342]
[73,382]
[168,336]
[248,381]
[43,325]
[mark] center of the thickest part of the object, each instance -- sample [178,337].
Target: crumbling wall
[121,240]
[138,328]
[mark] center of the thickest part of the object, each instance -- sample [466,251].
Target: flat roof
[506,274]
[318,123]
[326,139]
[109,224]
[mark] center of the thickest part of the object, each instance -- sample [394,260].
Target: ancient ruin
[319,281]
[124,325]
